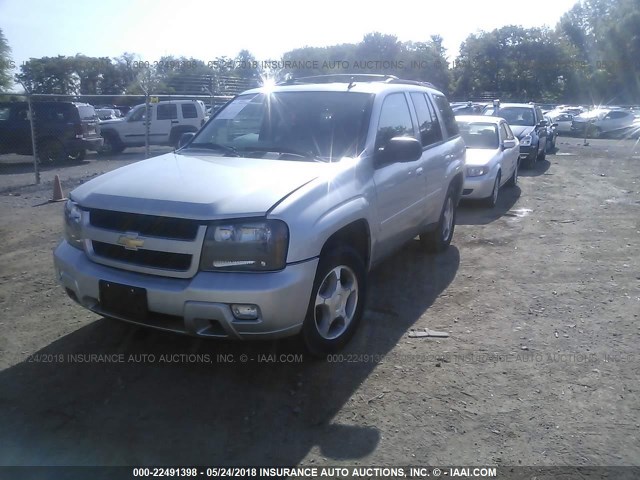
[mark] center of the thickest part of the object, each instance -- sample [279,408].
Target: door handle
[419,171]
[175,121]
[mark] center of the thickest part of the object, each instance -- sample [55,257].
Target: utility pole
[36,167]
[147,122]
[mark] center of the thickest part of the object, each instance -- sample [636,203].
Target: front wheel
[111,145]
[542,154]
[439,239]
[337,301]
[492,200]
[513,180]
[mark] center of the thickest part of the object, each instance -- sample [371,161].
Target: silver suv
[168,120]
[265,223]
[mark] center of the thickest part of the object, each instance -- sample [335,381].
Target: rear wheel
[78,155]
[439,239]
[337,301]
[51,151]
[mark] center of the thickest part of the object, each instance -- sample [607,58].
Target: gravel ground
[540,296]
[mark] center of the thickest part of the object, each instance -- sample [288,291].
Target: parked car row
[66,130]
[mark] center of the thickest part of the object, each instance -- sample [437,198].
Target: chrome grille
[147,244]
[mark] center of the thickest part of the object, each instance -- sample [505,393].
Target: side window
[395,120]
[427,122]
[507,134]
[167,111]
[614,115]
[503,132]
[539,115]
[189,110]
[22,114]
[448,116]
[4,113]
[138,114]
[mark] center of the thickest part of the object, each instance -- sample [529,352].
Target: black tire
[112,144]
[78,155]
[51,151]
[513,179]
[542,155]
[325,329]
[439,239]
[176,135]
[492,200]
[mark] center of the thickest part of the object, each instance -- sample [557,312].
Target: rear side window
[54,113]
[448,117]
[167,111]
[189,110]
[428,124]
[87,112]
[4,113]
[614,115]
[395,120]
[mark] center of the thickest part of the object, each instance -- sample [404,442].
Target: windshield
[522,116]
[479,135]
[301,125]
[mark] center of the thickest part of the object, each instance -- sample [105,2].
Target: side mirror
[400,149]
[185,138]
[554,125]
[508,144]
[543,123]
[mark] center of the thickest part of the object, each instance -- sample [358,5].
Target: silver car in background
[602,121]
[493,154]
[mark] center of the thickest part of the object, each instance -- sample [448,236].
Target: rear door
[166,117]
[434,152]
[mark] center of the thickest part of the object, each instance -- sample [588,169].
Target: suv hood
[197,186]
[521,130]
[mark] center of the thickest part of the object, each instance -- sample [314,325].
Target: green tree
[6,64]
[50,75]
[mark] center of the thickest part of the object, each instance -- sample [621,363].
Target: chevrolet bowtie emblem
[130,241]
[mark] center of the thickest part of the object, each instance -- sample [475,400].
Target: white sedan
[493,154]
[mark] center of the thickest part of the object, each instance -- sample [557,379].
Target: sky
[209,29]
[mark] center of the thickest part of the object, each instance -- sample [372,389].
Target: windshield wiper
[285,151]
[216,146]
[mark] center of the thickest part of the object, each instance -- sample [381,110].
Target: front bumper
[478,187]
[201,305]
[529,152]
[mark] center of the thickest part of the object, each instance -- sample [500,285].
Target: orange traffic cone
[58,196]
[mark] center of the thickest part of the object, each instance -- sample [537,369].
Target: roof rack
[351,78]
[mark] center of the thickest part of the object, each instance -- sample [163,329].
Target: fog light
[245,312]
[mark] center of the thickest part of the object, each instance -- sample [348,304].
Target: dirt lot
[541,297]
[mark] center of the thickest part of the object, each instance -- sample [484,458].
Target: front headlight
[73,224]
[525,141]
[476,171]
[245,245]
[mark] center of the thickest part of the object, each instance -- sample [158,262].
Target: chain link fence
[62,128]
